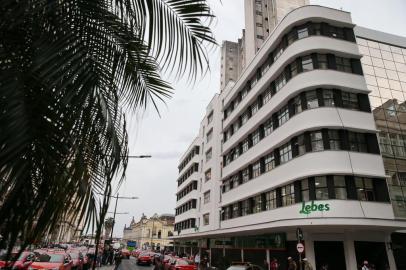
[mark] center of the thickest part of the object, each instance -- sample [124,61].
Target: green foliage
[67,70]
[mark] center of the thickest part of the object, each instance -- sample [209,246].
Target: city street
[130,264]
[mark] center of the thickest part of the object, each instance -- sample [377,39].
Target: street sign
[300,247]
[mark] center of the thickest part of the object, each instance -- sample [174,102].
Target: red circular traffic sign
[300,247]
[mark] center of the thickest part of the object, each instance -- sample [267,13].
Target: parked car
[51,261]
[21,263]
[145,258]
[181,264]
[77,260]
[125,253]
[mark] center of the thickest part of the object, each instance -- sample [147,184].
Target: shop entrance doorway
[373,252]
[330,253]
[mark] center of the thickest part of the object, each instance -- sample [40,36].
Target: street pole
[114,220]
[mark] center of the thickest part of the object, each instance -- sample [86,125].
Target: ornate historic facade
[151,232]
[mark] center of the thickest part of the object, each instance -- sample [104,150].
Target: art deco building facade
[292,144]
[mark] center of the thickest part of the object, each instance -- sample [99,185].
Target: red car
[52,261]
[125,253]
[77,260]
[145,258]
[20,263]
[182,264]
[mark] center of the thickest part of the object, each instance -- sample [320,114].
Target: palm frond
[67,71]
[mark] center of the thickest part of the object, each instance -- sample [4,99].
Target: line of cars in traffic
[170,262]
[48,259]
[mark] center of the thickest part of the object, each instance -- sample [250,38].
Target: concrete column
[389,252]
[349,253]
[309,249]
[242,255]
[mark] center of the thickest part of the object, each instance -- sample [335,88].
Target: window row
[193,168]
[319,140]
[186,190]
[188,158]
[393,144]
[186,207]
[296,33]
[299,65]
[185,224]
[306,100]
[341,187]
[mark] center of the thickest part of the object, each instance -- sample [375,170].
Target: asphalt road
[130,264]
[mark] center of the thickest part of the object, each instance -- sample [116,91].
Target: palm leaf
[67,70]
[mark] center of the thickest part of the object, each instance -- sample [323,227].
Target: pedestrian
[291,264]
[365,265]
[117,260]
[307,265]
[274,264]
[158,264]
[197,260]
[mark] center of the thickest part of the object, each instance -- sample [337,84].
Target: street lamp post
[115,212]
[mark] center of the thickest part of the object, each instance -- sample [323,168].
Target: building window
[357,142]
[285,153]
[334,140]
[328,98]
[208,154]
[244,118]
[255,137]
[245,207]
[245,145]
[307,63]
[350,100]
[301,147]
[270,200]
[209,135]
[245,175]
[311,98]
[288,194]
[305,190]
[322,61]
[339,187]
[206,219]
[280,82]
[316,139]
[268,127]
[267,96]
[257,204]
[320,183]
[256,169]
[302,33]
[236,210]
[343,64]
[269,162]
[207,175]
[210,118]
[254,108]
[206,197]
[235,181]
[297,103]
[365,189]
[283,115]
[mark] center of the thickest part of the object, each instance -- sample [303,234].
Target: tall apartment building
[231,62]
[294,146]
[261,17]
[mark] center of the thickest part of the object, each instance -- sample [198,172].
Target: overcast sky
[154,180]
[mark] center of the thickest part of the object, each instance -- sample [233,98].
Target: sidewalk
[105,267]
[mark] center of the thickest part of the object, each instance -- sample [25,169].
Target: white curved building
[292,145]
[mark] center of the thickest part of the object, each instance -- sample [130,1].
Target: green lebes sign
[314,207]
